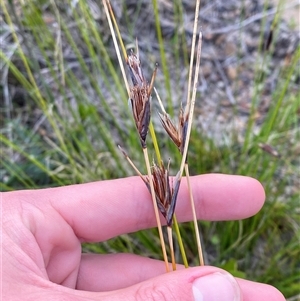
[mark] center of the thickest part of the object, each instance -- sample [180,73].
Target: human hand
[42,231]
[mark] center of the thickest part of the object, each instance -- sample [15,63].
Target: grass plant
[65,111]
[163,195]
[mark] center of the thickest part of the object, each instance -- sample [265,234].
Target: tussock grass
[72,112]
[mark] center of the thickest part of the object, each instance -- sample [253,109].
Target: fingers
[189,284]
[259,291]
[184,285]
[200,283]
[107,272]
[139,275]
[101,210]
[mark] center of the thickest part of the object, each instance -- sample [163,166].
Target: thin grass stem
[170,237]
[187,110]
[197,233]
[160,101]
[180,242]
[155,144]
[110,15]
[192,106]
[132,164]
[117,28]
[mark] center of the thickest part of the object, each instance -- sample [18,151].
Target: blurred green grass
[75,113]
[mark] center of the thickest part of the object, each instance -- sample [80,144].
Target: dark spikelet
[177,134]
[140,105]
[135,69]
[171,129]
[165,194]
[171,210]
[140,97]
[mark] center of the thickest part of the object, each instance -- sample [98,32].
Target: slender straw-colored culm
[139,95]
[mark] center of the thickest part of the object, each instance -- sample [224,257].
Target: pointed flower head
[139,97]
[165,192]
[177,134]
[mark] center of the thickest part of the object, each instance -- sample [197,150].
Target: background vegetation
[64,110]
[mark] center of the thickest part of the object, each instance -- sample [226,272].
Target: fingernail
[215,287]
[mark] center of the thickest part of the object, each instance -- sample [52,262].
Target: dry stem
[170,236]
[192,105]
[187,108]
[197,232]
[106,4]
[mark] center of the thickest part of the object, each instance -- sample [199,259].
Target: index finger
[101,210]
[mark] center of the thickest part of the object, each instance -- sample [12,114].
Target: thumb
[198,284]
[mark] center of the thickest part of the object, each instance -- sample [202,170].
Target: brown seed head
[140,104]
[177,134]
[140,96]
[165,193]
[135,70]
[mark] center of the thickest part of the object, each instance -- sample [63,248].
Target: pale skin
[42,231]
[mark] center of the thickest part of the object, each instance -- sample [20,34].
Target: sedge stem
[181,246]
[197,234]
[170,236]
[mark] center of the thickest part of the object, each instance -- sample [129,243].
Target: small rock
[231,72]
